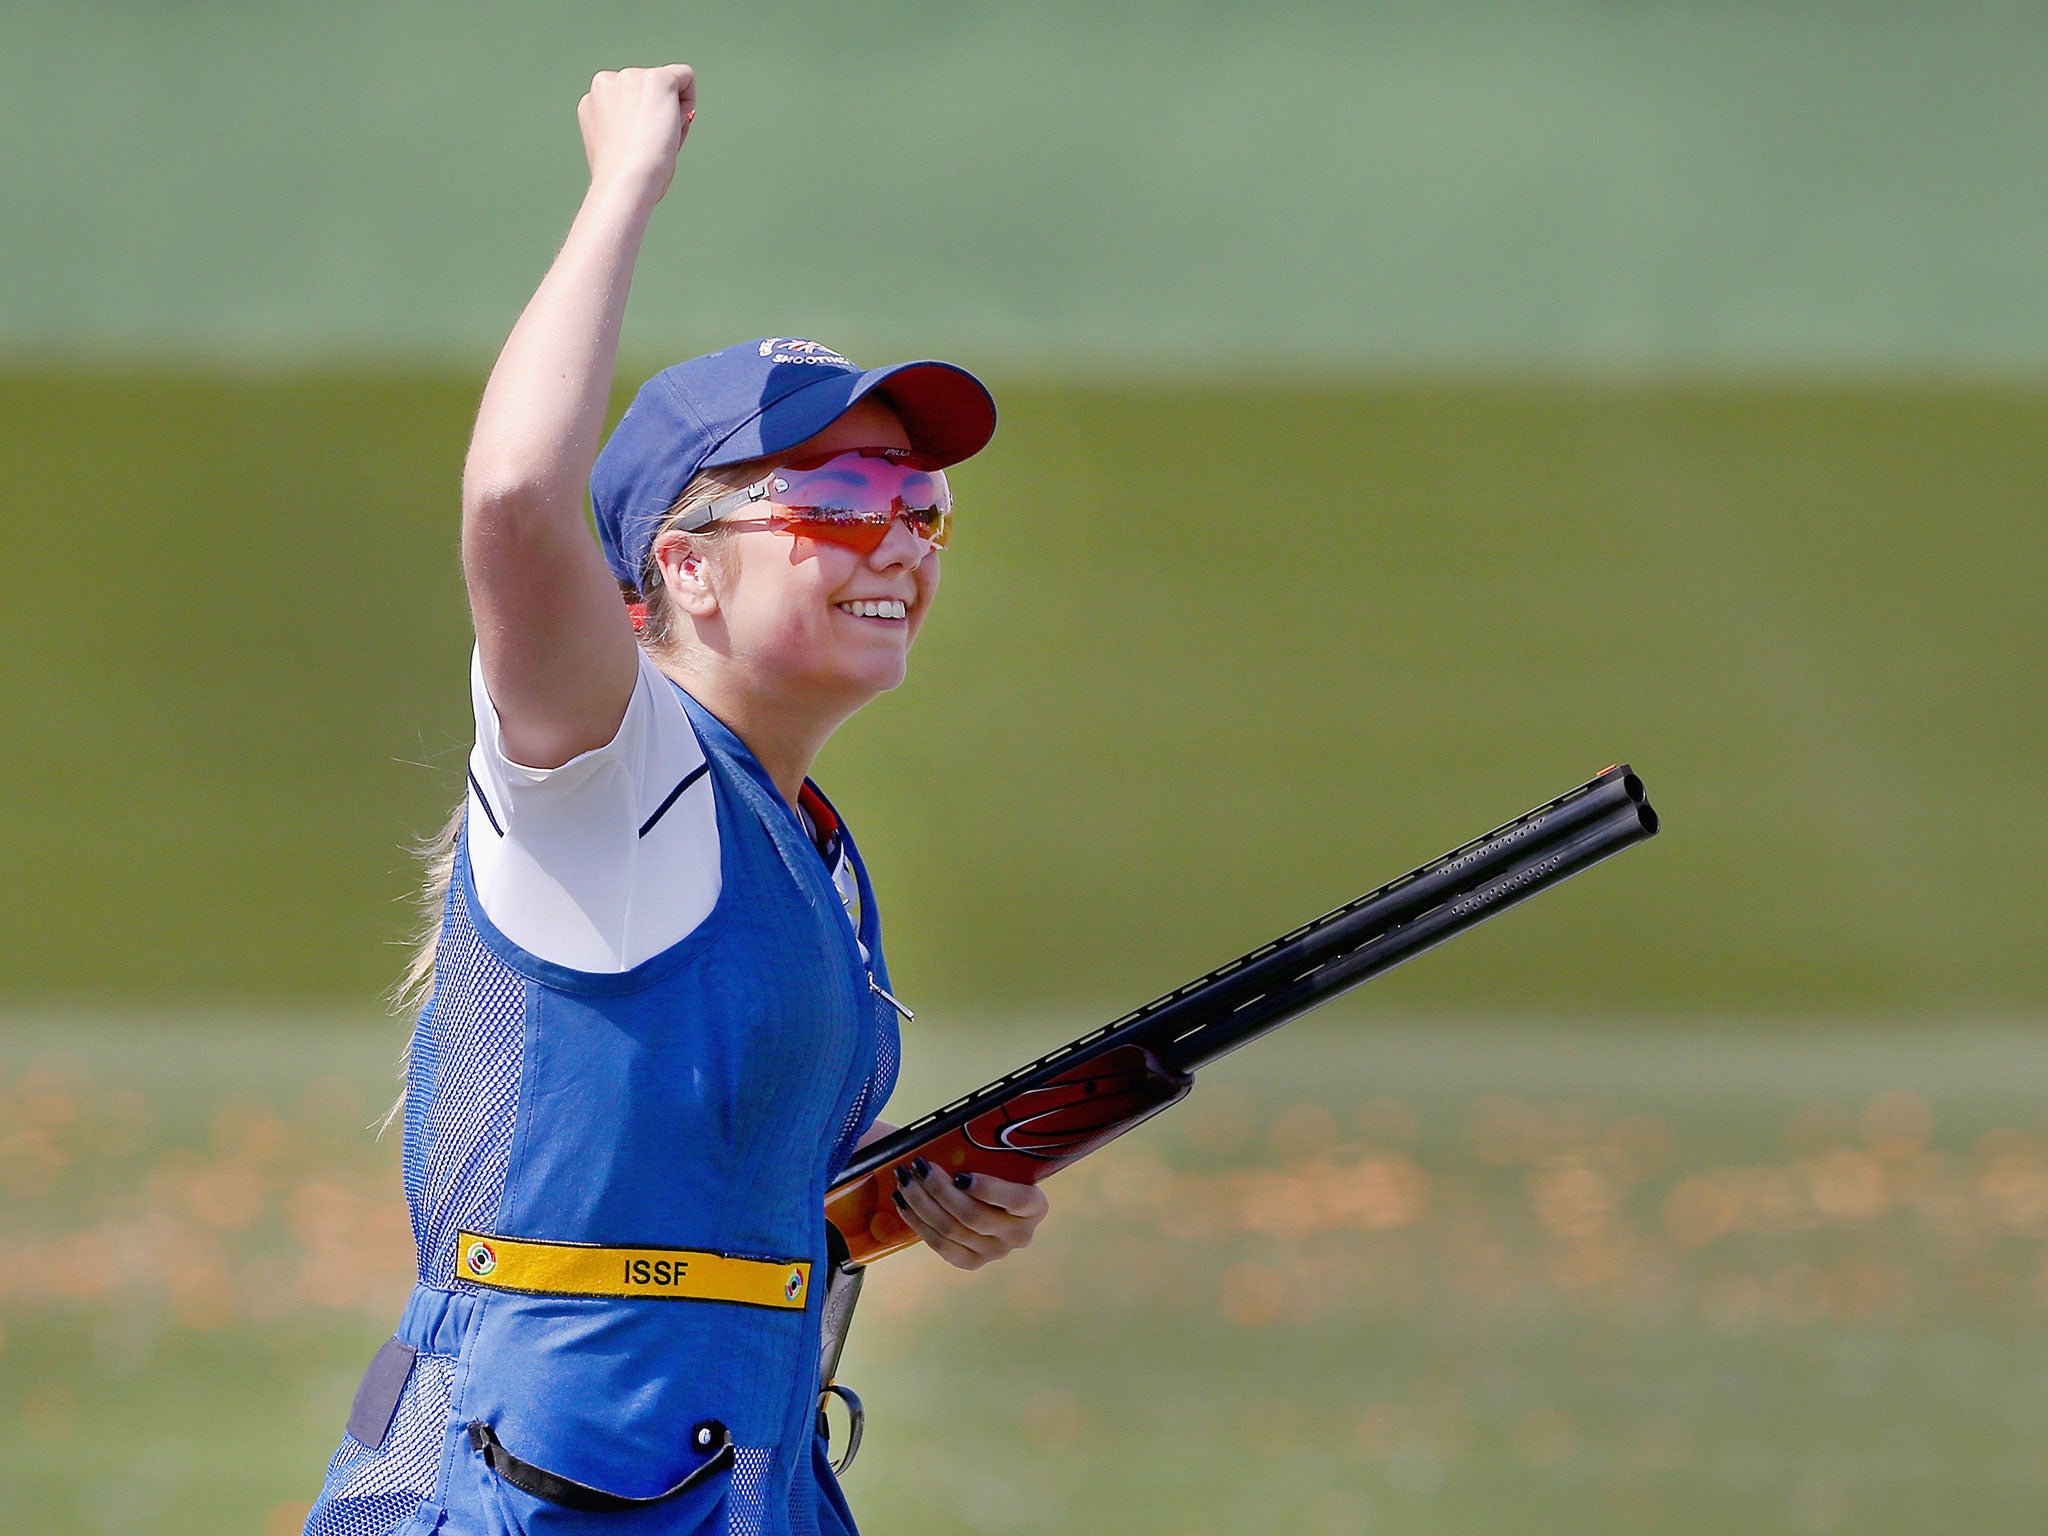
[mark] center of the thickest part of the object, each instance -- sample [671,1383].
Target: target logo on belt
[793,1287]
[479,1258]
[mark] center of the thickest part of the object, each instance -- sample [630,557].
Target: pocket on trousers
[373,1490]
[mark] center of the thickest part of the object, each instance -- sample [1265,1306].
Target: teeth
[885,608]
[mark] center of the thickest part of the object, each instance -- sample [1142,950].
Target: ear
[688,573]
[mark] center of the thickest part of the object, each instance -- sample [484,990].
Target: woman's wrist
[627,188]
[621,205]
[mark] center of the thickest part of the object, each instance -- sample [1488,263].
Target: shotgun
[1034,1121]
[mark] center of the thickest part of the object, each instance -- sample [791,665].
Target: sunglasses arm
[723,506]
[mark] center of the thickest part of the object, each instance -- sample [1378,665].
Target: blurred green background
[1407,410]
[1210,659]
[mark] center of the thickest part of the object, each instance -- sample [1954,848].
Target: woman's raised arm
[555,642]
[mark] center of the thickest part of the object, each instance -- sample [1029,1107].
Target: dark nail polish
[964,1180]
[920,1167]
[897,1196]
[902,1174]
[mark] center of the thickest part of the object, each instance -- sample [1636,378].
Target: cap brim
[947,412]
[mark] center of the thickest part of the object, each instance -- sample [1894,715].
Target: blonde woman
[659,1018]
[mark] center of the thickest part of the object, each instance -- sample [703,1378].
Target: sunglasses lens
[865,533]
[851,499]
[861,534]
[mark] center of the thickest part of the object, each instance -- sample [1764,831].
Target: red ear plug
[690,116]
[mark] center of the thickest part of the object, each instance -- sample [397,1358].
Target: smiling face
[804,622]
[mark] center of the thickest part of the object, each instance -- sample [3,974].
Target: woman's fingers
[1025,1200]
[682,79]
[955,1242]
[936,1219]
[978,1216]
[955,1253]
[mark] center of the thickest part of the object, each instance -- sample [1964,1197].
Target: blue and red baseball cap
[756,398]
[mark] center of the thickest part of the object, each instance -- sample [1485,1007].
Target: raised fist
[634,122]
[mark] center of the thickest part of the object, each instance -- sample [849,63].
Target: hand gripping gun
[1030,1123]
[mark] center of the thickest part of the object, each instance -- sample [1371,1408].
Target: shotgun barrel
[1622,827]
[1374,915]
[1031,1122]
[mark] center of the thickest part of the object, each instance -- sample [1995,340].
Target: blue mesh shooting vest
[703,1101]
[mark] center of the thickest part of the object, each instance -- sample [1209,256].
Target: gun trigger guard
[856,1422]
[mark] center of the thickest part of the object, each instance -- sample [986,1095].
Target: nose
[901,547]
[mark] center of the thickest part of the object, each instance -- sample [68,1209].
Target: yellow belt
[591,1269]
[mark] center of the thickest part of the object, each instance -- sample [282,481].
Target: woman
[660,1017]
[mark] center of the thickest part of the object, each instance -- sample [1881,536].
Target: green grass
[1375,1276]
[1208,660]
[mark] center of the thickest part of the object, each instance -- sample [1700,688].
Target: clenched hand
[634,122]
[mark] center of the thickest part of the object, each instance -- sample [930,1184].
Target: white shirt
[611,858]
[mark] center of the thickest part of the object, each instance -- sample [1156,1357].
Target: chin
[859,683]
[873,669]
[882,679]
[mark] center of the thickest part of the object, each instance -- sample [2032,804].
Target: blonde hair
[437,854]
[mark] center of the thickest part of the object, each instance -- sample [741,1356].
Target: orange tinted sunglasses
[848,498]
